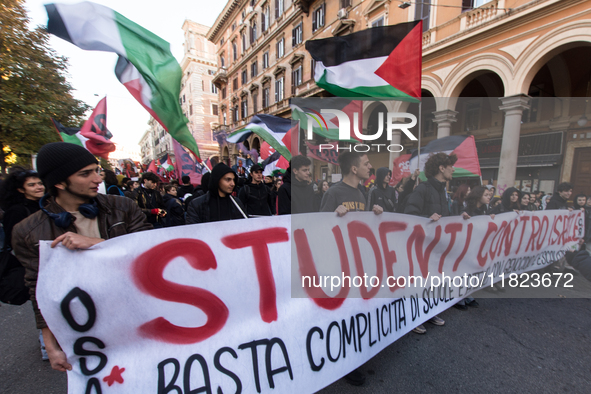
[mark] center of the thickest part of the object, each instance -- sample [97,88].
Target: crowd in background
[224,195]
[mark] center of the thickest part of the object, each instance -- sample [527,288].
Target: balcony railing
[482,14]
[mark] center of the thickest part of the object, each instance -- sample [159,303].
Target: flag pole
[420,132]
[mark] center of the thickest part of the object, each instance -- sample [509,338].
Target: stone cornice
[222,19]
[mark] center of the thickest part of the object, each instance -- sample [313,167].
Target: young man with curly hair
[429,200]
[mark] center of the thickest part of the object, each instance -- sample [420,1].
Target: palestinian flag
[272,129]
[462,145]
[309,112]
[95,143]
[380,62]
[145,66]
[165,163]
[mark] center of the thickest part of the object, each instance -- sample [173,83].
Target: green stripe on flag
[385,91]
[267,137]
[146,50]
[458,173]
[72,139]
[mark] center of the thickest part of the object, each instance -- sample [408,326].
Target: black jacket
[147,200]
[175,213]
[295,196]
[428,198]
[14,215]
[378,195]
[185,189]
[407,189]
[556,202]
[211,207]
[257,199]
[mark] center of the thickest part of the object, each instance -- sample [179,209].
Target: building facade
[198,99]
[516,74]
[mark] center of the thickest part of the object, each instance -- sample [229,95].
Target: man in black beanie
[73,214]
[216,205]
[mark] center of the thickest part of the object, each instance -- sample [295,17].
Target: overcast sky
[92,73]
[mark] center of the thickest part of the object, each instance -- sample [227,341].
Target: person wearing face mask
[560,199]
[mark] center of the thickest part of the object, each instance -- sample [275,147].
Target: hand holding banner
[210,305]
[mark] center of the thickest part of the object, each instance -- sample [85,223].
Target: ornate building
[516,74]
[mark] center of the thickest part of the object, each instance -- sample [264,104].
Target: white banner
[210,306]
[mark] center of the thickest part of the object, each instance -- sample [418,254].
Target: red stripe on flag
[135,88]
[402,68]
[468,156]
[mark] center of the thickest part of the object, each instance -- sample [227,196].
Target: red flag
[97,123]
[95,129]
[400,170]
[185,165]
[152,167]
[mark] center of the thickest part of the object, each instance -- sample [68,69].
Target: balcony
[482,14]
[220,78]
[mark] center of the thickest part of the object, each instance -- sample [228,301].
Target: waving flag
[95,143]
[145,66]
[378,62]
[165,163]
[272,129]
[152,167]
[97,123]
[462,145]
[185,165]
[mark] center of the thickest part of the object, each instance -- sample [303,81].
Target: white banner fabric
[210,306]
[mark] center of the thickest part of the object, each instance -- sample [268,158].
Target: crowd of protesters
[74,201]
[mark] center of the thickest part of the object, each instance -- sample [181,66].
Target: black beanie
[58,160]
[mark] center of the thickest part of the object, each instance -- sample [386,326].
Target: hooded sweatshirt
[295,196]
[385,197]
[211,207]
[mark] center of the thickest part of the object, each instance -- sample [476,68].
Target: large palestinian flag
[380,62]
[272,129]
[95,143]
[462,145]
[145,66]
